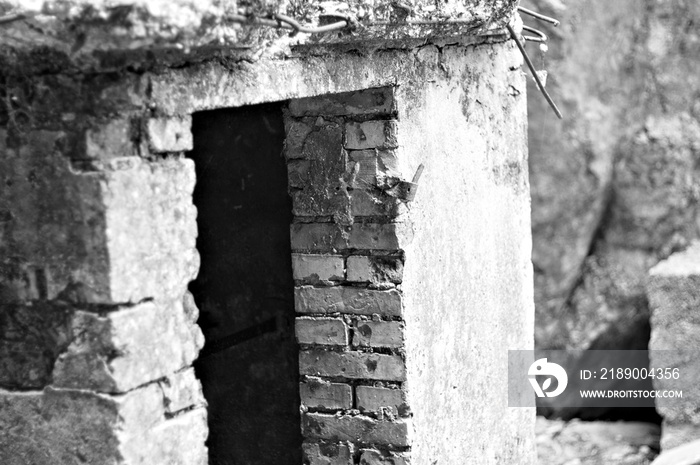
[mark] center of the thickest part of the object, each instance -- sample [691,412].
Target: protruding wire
[311,30]
[540,36]
[533,71]
[539,16]
[285,22]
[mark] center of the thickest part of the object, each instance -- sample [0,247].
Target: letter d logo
[543,368]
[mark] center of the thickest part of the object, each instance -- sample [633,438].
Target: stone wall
[97,330]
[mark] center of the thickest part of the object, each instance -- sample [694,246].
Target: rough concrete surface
[467,277]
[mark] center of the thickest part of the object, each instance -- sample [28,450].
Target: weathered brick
[362,268]
[324,395]
[350,300]
[120,351]
[311,267]
[374,203]
[379,101]
[322,199]
[374,457]
[361,429]
[172,134]
[371,134]
[352,365]
[328,237]
[325,144]
[374,399]
[388,162]
[298,172]
[378,334]
[364,165]
[326,453]
[325,331]
[296,133]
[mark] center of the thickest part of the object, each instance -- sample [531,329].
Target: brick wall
[347,262]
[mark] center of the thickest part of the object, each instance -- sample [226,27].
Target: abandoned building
[226,240]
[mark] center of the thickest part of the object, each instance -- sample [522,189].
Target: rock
[687,454]
[596,443]
[614,185]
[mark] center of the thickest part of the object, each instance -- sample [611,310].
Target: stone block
[182,390]
[686,454]
[52,222]
[360,429]
[379,101]
[313,268]
[374,269]
[31,339]
[351,300]
[127,348]
[322,331]
[377,399]
[371,134]
[378,334]
[175,441]
[172,134]
[374,457]
[673,290]
[318,394]
[352,365]
[77,427]
[111,139]
[326,453]
[151,230]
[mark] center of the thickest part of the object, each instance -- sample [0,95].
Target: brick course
[319,394]
[322,331]
[352,365]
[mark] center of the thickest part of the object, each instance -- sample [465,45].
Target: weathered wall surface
[467,277]
[84,34]
[614,185]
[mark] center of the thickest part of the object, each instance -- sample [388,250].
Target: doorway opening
[245,288]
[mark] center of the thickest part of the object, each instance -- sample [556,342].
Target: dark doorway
[245,290]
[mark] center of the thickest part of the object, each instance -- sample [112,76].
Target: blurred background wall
[615,184]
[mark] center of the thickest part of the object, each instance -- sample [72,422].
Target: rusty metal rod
[539,16]
[534,72]
[541,36]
